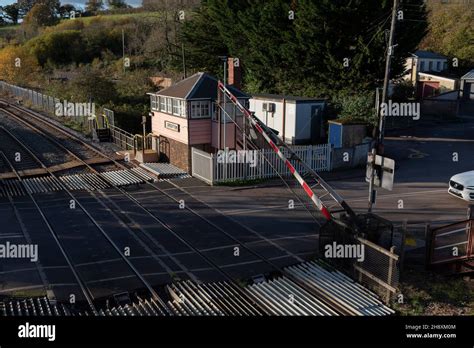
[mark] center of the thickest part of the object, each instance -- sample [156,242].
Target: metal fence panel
[122,138]
[452,242]
[379,267]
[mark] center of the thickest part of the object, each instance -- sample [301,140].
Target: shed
[346,135]
[298,120]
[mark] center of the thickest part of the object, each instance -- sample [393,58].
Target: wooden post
[470,212]
[470,245]
[390,272]
[402,247]
[428,245]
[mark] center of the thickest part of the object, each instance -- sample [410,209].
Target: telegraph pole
[123,49]
[379,130]
[183,54]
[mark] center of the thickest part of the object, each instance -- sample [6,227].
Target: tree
[17,65]
[315,53]
[91,85]
[40,15]
[58,48]
[25,6]
[94,5]
[158,5]
[66,10]
[11,13]
[116,4]
[451,31]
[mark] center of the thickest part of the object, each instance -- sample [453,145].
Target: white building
[424,61]
[297,120]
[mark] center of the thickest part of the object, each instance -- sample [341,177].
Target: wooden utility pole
[183,54]
[379,130]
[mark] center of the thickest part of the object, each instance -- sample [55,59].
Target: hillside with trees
[451,31]
[331,49]
[81,59]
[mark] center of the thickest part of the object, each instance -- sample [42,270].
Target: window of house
[430,66]
[422,66]
[176,107]
[154,103]
[179,107]
[169,105]
[163,104]
[231,108]
[200,109]
[439,66]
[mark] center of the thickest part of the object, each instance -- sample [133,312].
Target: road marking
[257,210]
[416,154]
[450,140]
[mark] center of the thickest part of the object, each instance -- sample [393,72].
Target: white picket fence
[206,166]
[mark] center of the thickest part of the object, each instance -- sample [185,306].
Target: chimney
[235,73]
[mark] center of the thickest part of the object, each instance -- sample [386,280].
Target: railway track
[61,136]
[60,236]
[152,213]
[14,153]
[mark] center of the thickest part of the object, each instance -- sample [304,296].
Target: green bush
[355,108]
[59,48]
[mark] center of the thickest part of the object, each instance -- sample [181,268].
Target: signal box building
[184,116]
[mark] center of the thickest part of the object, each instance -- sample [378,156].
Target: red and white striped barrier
[319,204]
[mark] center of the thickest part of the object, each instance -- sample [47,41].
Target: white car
[462,186]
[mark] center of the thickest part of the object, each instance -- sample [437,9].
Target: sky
[78,3]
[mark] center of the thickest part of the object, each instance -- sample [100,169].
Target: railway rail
[14,153]
[82,283]
[110,183]
[216,228]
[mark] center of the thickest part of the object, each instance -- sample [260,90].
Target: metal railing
[122,138]
[451,243]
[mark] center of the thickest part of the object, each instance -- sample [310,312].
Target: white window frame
[169,105]
[163,104]
[176,107]
[197,107]
[154,99]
